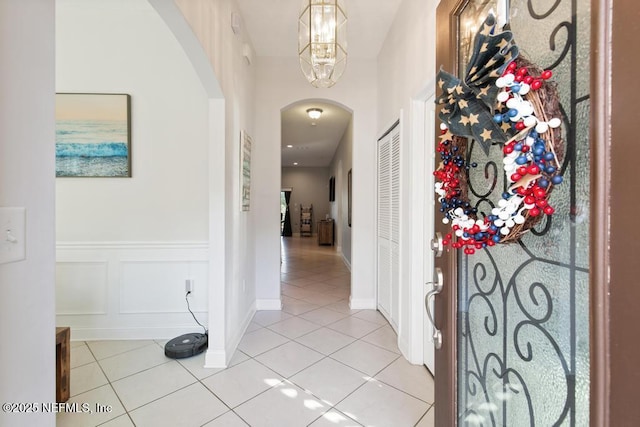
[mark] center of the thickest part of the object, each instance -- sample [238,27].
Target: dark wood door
[615,235]
[445,301]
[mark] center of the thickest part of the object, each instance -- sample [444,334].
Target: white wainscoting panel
[81,287]
[159,286]
[130,290]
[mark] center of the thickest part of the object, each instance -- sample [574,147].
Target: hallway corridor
[315,363]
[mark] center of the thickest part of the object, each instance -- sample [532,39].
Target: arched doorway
[316,155]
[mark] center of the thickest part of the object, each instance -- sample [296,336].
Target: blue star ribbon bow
[468,104]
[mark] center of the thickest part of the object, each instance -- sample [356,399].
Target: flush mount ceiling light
[314,113]
[322,41]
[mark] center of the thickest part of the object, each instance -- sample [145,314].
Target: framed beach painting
[93,135]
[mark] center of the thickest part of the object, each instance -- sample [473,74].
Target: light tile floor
[315,363]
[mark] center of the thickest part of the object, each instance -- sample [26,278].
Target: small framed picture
[332,189]
[245,170]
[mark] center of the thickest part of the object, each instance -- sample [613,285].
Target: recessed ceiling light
[289,146]
[295,163]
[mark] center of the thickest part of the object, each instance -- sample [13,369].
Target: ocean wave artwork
[92,166]
[92,148]
[101,149]
[92,135]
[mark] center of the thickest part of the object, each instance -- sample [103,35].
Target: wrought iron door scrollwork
[519,305]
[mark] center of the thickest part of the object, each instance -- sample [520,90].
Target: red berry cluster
[516,80]
[449,172]
[522,75]
[536,173]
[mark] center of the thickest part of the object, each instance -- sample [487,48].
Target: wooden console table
[63,363]
[325,232]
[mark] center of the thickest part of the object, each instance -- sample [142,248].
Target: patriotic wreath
[502,100]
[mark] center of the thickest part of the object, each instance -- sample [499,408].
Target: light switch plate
[12,234]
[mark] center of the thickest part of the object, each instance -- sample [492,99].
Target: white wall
[279,84]
[125,47]
[310,186]
[27,311]
[406,72]
[210,21]
[406,63]
[341,163]
[126,245]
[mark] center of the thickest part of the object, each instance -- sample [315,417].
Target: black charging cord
[194,316]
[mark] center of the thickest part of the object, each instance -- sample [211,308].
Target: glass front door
[522,338]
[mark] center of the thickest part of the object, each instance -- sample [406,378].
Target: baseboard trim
[403,346]
[269,304]
[100,334]
[215,359]
[232,344]
[346,261]
[362,304]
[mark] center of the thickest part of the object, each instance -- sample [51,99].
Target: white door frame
[421,223]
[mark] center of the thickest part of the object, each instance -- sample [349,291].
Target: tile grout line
[373,377]
[356,369]
[289,379]
[431,406]
[112,389]
[152,342]
[128,411]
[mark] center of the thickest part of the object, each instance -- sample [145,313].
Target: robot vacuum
[186,345]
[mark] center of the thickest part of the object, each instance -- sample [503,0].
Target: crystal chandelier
[322,41]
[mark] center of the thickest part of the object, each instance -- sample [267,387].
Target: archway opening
[316,157]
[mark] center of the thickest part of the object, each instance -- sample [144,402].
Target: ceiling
[313,142]
[272,26]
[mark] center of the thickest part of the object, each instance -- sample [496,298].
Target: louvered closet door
[388,227]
